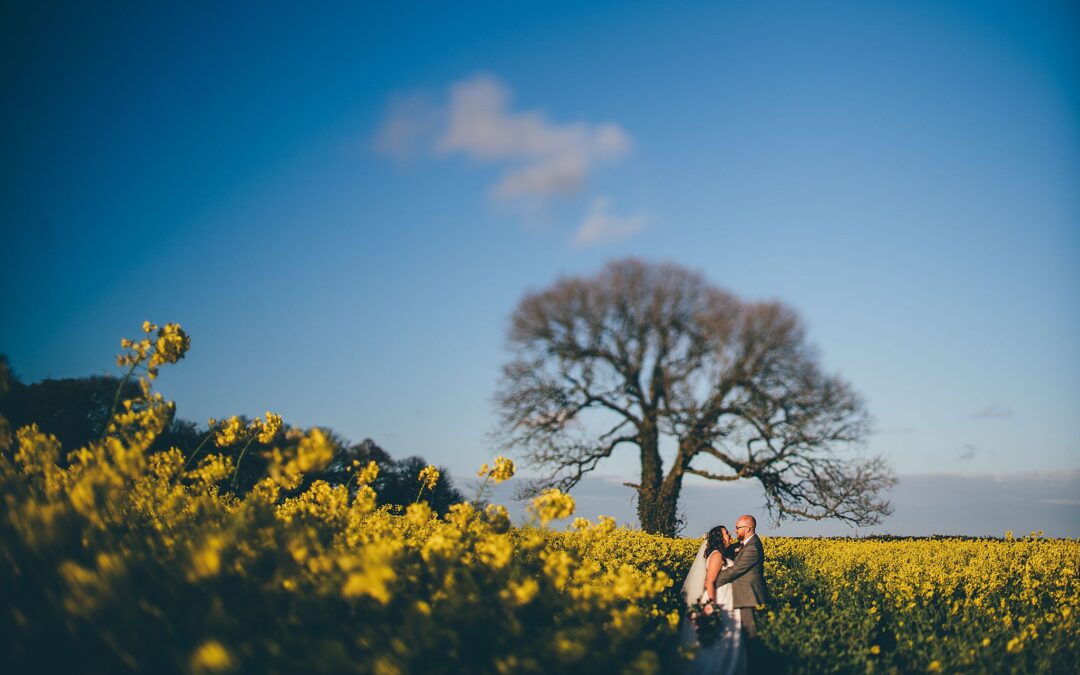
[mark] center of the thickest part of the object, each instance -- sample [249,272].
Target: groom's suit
[747,579]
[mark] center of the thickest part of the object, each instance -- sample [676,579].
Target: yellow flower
[552,504]
[498,517]
[520,592]
[211,656]
[384,666]
[364,500]
[368,474]
[206,562]
[557,566]
[418,513]
[673,619]
[312,453]
[429,476]
[230,433]
[495,551]
[568,649]
[211,469]
[503,471]
[270,428]
[376,571]
[171,346]
[37,451]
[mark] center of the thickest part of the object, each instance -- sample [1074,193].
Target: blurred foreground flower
[552,504]
[211,657]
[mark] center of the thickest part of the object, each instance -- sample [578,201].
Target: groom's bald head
[746,526]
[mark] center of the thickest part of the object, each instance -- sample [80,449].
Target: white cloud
[559,175]
[537,159]
[601,226]
[541,158]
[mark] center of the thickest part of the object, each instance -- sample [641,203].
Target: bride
[724,651]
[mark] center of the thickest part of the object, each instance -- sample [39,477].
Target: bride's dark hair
[715,541]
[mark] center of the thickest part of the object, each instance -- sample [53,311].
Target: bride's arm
[712,570]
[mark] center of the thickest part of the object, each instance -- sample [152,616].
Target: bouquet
[707,625]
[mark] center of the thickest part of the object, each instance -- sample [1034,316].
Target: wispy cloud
[409,120]
[543,158]
[538,159]
[969,452]
[602,226]
[992,411]
[1061,502]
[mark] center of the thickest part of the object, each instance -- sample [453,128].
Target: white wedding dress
[726,656]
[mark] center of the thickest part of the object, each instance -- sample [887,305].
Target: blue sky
[343,204]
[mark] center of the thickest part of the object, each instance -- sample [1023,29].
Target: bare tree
[643,352]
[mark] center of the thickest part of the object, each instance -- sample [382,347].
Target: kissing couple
[724,585]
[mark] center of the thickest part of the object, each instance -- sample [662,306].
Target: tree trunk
[658,511]
[651,511]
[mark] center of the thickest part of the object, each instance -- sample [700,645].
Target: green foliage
[396,484]
[74,410]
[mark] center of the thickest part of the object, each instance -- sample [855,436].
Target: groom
[746,575]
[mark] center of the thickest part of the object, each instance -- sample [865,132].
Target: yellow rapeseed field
[115,560]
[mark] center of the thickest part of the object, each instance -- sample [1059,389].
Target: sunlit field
[116,559]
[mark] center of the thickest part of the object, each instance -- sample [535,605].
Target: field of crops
[117,560]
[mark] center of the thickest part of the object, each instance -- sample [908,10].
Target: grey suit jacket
[747,576]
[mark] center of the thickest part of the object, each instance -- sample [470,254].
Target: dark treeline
[76,411]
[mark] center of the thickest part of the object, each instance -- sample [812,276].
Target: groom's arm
[744,562]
